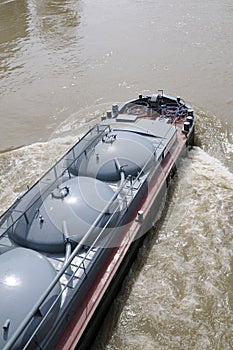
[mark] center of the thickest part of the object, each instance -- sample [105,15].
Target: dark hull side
[91,331]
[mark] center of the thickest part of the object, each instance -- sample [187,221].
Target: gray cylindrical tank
[24,276]
[129,149]
[78,202]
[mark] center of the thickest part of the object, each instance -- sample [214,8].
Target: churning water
[179,294]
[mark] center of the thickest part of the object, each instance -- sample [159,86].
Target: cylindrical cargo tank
[78,202]
[126,149]
[21,289]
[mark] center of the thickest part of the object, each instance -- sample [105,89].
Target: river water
[63,63]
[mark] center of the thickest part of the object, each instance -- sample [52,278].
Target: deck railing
[126,192]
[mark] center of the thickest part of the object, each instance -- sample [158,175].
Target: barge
[68,241]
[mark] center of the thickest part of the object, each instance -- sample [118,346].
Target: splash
[215,137]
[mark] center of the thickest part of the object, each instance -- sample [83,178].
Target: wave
[21,167]
[180,293]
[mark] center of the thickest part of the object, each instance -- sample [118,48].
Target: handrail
[32,312]
[64,268]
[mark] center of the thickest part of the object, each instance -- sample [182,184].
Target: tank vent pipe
[6,325]
[66,241]
[115,110]
[140,217]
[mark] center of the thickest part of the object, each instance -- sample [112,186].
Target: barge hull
[81,338]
